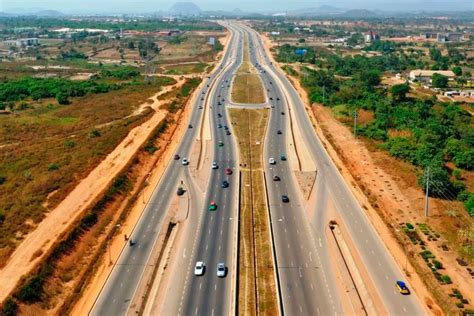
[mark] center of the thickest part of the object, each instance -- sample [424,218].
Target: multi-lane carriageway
[307,284]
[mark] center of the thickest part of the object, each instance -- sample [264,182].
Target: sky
[135,6]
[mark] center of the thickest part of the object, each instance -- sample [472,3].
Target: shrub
[446,279]
[437,264]
[2,216]
[469,204]
[2,179]
[69,143]
[94,133]
[53,167]
[410,226]
[10,308]
[31,291]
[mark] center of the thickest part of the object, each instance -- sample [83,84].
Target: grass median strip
[257,288]
[247,87]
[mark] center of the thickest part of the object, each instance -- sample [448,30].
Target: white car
[199,268]
[214,165]
[221,269]
[271,161]
[185,162]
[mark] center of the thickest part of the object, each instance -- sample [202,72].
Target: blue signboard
[300,51]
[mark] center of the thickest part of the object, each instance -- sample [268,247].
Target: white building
[22,42]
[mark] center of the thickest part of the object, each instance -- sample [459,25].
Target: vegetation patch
[257,288]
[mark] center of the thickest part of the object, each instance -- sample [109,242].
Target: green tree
[62,98]
[439,81]
[435,54]
[457,70]
[399,91]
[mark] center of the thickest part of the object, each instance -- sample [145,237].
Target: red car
[228,171]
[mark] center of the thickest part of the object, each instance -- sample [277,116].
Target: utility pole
[427,189]
[355,123]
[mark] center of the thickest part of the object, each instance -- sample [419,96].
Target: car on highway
[276,178]
[200,107]
[214,165]
[221,270]
[202,99]
[226,127]
[278,99]
[176,157]
[219,115]
[219,125]
[212,206]
[180,191]
[185,161]
[402,288]
[227,132]
[219,103]
[285,199]
[272,161]
[282,157]
[225,184]
[199,268]
[228,171]
[190,126]
[271,98]
[220,144]
[279,132]
[282,113]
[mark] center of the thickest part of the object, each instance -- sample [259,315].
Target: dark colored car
[180,191]
[227,132]
[285,199]
[176,157]
[225,184]
[276,178]
[228,171]
[282,113]
[190,126]
[279,132]
[283,157]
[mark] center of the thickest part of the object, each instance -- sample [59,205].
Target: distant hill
[359,13]
[185,9]
[322,10]
[49,13]
[32,11]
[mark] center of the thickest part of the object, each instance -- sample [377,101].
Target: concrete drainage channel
[365,300]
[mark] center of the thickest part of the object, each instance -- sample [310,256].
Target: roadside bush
[446,279]
[10,308]
[31,291]
[469,204]
[437,264]
[2,180]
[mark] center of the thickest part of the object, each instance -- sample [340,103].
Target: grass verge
[247,86]
[257,288]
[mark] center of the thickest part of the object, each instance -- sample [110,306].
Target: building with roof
[425,75]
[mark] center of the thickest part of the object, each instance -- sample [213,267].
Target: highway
[378,261]
[214,237]
[307,283]
[307,287]
[117,294]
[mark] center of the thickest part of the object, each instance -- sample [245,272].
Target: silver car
[221,269]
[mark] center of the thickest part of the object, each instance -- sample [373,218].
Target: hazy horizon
[130,6]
